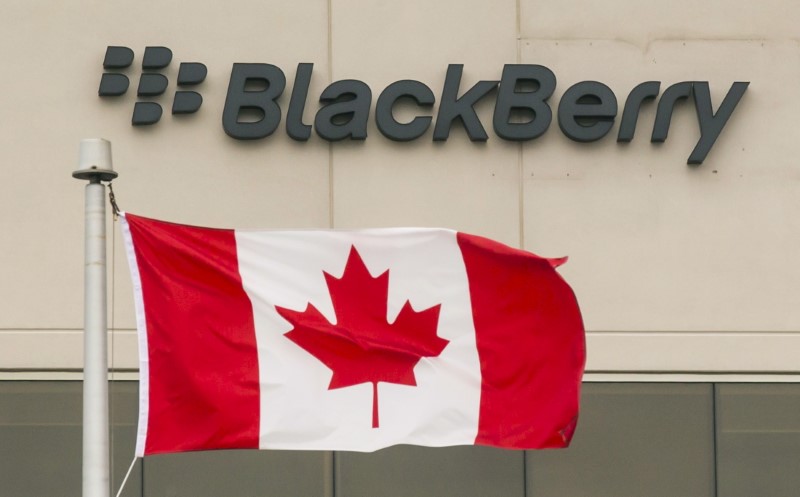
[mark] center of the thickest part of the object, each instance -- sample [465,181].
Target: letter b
[253,88]
[511,98]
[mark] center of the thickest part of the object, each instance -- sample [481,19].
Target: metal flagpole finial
[95,161]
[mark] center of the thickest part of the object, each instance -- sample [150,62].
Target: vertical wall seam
[715,433]
[521,193]
[520,162]
[525,473]
[330,144]
[330,186]
[329,474]
[329,483]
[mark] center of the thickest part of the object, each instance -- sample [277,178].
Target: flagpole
[95,166]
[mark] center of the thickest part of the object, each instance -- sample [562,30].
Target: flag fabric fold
[349,340]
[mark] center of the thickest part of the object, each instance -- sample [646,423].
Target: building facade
[687,274]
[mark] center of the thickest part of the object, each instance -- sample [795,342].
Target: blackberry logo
[255,103]
[151,82]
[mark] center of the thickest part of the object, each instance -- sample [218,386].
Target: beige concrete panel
[458,184]
[656,245]
[474,190]
[711,352]
[62,350]
[417,39]
[640,22]
[184,168]
[615,352]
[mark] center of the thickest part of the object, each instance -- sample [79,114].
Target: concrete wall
[677,268]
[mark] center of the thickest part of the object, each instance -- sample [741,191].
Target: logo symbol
[151,82]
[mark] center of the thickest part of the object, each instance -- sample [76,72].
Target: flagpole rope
[113,324]
[115,209]
[125,480]
[113,200]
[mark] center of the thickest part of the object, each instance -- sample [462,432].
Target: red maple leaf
[363,347]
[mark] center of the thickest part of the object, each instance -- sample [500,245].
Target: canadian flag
[349,340]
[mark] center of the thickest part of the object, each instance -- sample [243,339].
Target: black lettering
[295,127]
[671,96]
[241,100]
[630,115]
[452,107]
[511,97]
[711,124]
[587,110]
[346,111]
[385,120]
